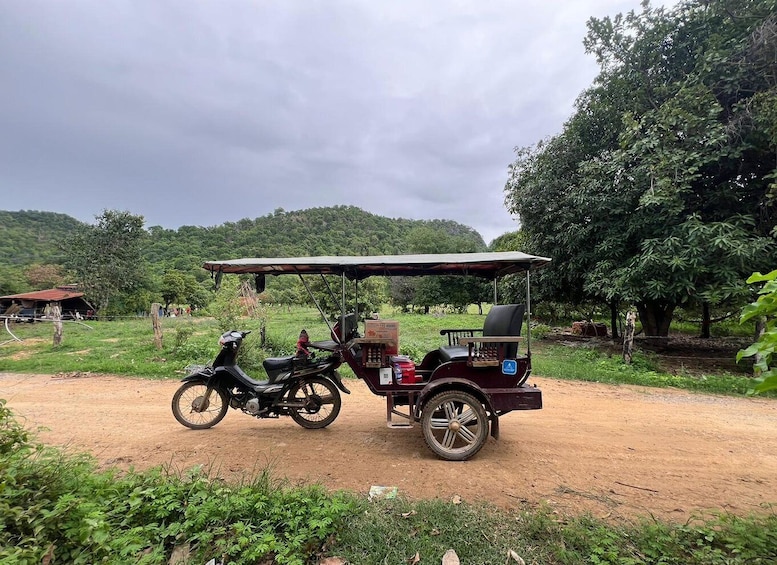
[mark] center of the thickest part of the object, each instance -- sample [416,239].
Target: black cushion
[278,363]
[505,320]
[502,320]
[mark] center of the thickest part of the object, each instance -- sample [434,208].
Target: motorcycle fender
[338,380]
[204,377]
[451,383]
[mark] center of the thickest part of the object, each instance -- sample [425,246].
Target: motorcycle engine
[252,406]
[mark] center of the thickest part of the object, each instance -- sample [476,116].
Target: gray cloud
[197,113]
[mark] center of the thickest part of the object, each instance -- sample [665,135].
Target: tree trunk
[614,319]
[655,317]
[628,337]
[705,320]
[156,324]
[56,314]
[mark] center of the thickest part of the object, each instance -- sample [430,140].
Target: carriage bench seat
[503,321]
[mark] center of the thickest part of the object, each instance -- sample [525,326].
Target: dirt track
[616,451]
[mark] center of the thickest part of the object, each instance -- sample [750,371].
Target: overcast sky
[202,112]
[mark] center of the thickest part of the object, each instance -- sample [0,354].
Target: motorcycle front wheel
[316,403]
[198,408]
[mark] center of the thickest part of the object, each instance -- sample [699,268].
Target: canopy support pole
[320,310]
[342,313]
[329,289]
[528,315]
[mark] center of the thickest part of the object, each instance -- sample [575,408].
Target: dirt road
[616,451]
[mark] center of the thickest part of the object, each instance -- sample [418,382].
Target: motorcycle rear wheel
[320,401]
[194,410]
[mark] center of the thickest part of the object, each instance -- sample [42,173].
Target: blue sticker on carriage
[509,367]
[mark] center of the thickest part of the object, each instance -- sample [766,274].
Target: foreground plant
[764,308]
[56,508]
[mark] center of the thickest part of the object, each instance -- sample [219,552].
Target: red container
[404,369]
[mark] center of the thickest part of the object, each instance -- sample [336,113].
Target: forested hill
[30,237]
[35,237]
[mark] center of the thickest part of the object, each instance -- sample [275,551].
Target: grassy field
[57,508]
[126,348]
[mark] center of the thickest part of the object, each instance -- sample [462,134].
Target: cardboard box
[383,329]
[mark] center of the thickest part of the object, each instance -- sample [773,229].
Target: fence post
[628,337]
[56,314]
[155,307]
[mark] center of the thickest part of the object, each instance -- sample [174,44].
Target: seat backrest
[351,324]
[505,320]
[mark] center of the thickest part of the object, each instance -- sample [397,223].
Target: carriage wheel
[455,425]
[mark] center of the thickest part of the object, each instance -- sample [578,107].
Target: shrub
[540,331]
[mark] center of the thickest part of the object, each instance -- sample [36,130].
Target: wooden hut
[34,305]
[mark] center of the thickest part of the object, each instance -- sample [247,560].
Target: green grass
[588,364]
[121,347]
[126,348]
[393,531]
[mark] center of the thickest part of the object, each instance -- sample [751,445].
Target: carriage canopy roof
[488,265]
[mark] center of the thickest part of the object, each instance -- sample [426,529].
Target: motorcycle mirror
[260,282]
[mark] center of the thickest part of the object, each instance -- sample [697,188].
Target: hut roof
[51,295]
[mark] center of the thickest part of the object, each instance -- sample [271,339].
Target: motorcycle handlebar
[232,335]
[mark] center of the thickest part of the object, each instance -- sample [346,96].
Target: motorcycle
[301,386]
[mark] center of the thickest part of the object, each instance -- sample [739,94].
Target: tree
[195,294]
[44,276]
[659,189]
[401,291]
[107,257]
[427,292]
[371,295]
[173,288]
[12,281]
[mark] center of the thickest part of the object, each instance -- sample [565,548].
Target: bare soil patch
[614,451]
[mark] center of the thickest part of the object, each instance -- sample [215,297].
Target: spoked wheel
[455,425]
[197,408]
[318,402]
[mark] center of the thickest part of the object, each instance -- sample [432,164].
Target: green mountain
[29,237]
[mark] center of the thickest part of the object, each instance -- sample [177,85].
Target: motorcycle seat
[325,345]
[272,364]
[237,372]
